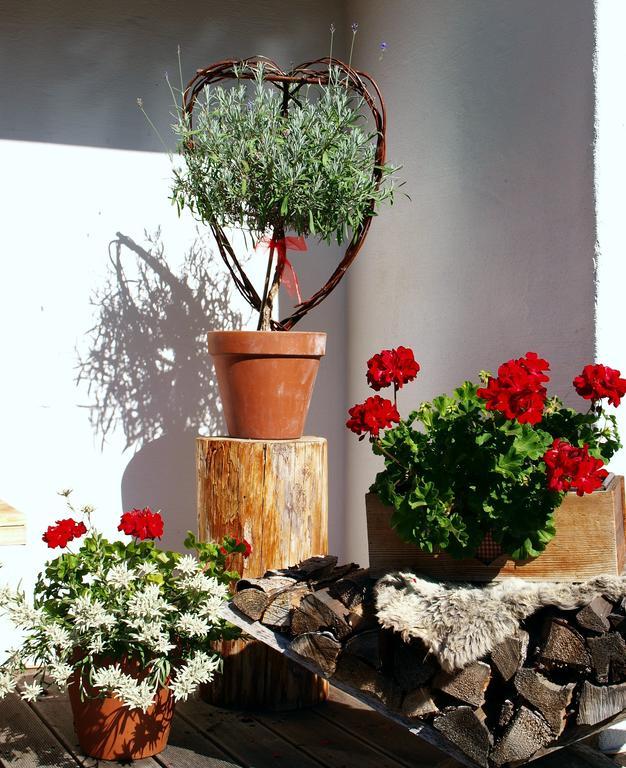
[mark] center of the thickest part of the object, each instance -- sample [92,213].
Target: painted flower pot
[266,380]
[108,730]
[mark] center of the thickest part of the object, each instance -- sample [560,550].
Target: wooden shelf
[12,526]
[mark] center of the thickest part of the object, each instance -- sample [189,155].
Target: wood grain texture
[25,741]
[273,493]
[589,542]
[12,525]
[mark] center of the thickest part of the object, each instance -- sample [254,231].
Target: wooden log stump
[273,493]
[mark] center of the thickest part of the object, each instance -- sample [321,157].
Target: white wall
[490,107]
[79,163]
[610,164]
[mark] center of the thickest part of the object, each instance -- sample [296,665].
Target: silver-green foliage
[247,165]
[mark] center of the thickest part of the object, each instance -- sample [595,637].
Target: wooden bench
[12,525]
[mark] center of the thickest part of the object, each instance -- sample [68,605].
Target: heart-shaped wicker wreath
[309,73]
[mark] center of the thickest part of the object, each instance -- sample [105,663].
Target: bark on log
[273,494]
[365,646]
[526,734]
[320,647]
[360,675]
[319,611]
[595,615]
[279,611]
[467,685]
[467,730]
[509,656]
[608,657]
[419,703]
[254,595]
[564,646]
[599,703]
[550,699]
[354,589]
[412,666]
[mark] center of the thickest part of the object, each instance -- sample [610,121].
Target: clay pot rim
[268,343]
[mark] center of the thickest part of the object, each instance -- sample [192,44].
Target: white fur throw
[460,623]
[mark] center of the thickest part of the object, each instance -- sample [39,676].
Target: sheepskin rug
[460,623]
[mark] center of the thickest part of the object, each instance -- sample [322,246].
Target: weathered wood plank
[576,756]
[188,748]
[25,741]
[326,742]
[55,711]
[367,725]
[245,738]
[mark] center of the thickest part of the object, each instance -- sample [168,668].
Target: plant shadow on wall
[148,368]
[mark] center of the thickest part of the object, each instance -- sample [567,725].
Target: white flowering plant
[111,607]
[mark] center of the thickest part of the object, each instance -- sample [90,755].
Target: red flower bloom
[598,381]
[142,524]
[518,391]
[247,547]
[374,414]
[572,467]
[223,550]
[63,532]
[392,366]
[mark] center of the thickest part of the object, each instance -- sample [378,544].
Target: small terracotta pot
[107,730]
[266,380]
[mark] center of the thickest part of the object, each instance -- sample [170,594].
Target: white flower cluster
[136,694]
[59,638]
[88,614]
[148,603]
[7,682]
[120,576]
[122,605]
[21,613]
[60,671]
[200,668]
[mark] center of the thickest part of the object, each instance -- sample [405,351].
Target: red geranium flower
[142,524]
[572,467]
[518,391]
[62,532]
[374,414]
[598,381]
[247,547]
[392,366]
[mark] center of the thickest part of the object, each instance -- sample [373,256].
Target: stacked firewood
[562,678]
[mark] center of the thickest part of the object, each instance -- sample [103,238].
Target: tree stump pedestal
[273,493]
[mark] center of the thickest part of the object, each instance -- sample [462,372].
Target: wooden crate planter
[589,542]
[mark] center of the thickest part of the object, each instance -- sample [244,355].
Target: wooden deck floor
[343,733]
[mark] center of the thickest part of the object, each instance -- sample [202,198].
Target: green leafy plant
[495,458]
[249,164]
[112,602]
[271,160]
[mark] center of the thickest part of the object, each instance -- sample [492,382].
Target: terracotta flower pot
[266,380]
[108,730]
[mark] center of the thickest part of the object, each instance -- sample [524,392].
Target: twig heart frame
[310,73]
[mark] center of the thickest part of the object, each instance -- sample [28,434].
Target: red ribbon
[282,245]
